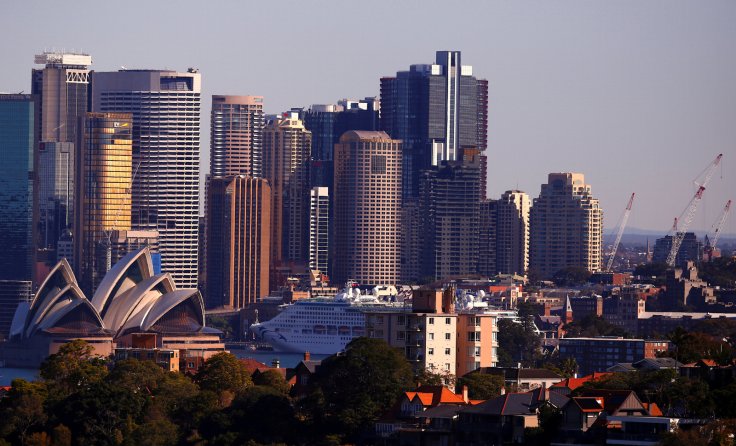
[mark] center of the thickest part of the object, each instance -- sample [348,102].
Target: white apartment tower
[566,226]
[319,229]
[512,232]
[166,131]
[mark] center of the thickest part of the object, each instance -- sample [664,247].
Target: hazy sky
[637,95]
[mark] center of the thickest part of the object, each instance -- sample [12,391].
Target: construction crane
[620,233]
[687,215]
[715,232]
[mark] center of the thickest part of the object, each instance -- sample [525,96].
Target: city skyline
[635,96]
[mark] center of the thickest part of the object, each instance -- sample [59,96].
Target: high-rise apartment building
[55,192]
[286,147]
[436,110]
[236,136]
[566,226]
[166,129]
[690,249]
[319,230]
[367,223]
[487,238]
[512,233]
[238,235]
[18,185]
[450,215]
[104,161]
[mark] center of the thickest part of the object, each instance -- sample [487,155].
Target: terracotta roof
[251,365]
[440,395]
[574,383]
[612,399]
[653,409]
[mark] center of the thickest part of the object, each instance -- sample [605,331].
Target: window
[474,336]
[401,320]
[431,321]
[447,366]
[448,336]
[399,335]
[477,351]
[378,164]
[430,351]
[447,321]
[447,351]
[431,336]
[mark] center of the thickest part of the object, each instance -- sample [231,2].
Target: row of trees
[82,399]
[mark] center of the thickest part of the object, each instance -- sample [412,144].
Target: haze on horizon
[638,96]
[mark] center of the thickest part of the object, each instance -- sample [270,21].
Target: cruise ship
[323,325]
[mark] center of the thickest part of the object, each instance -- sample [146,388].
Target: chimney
[543,395]
[465,395]
[275,363]
[306,356]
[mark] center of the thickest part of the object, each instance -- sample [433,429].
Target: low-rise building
[601,353]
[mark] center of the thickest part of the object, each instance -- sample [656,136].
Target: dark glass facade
[436,110]
[18,185]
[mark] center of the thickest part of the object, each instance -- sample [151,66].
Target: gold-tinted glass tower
[103,191]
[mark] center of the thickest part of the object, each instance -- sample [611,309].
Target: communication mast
[622,226]
[687,215]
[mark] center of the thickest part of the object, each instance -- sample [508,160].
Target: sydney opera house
[132,305]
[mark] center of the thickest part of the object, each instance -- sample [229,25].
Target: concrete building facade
[512,233]
[319,230]
[238,236]
[236,136]
[367,211]
[566,226]
[287,145]
[166,132]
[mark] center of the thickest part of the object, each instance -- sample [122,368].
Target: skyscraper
[18,185]
[104,172]
[319,230]
[512,233]
[236,136]
[487,238]
[566,226]
[238,241]
[286,147]
[450,215]
[61,87]
[436,110]
[166,128]
[367,213]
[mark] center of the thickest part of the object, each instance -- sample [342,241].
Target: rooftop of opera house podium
[130,301]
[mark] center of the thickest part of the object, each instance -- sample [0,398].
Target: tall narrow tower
[166,128]
[367,208]
[512,233]
[566,226]
[287,144]
[61,87]
[236,136]
[104,171]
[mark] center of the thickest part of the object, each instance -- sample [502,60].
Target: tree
[593,326]
[481,386]
[571,276]
[22,410]
[274,380]
[224,374]
[517,342]
[73,368]
[362,382]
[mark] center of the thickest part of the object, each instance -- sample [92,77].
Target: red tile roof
[574,383]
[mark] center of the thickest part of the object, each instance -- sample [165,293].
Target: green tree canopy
[363,382]
[223,372]
[481,386]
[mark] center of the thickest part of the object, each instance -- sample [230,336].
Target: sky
[640,96]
